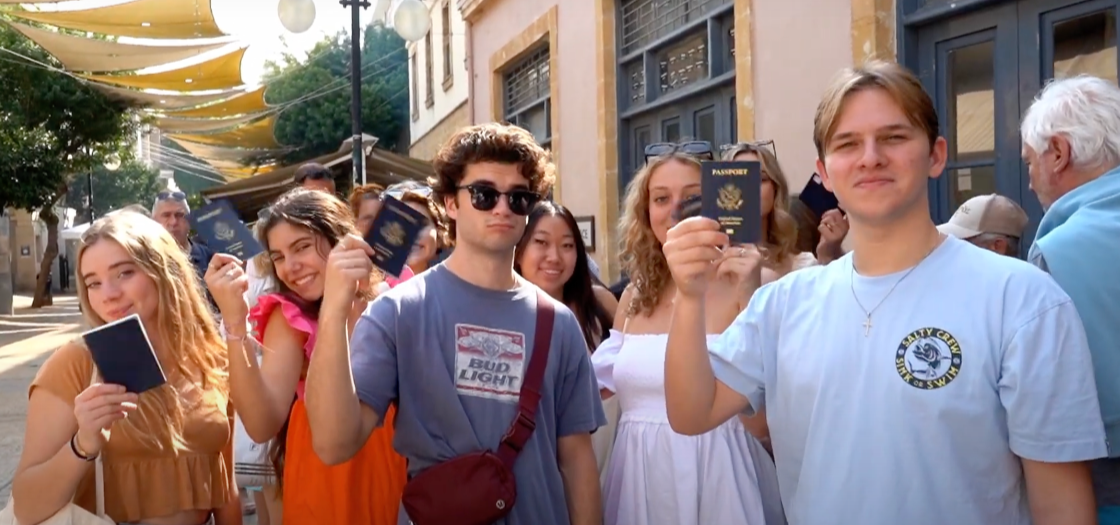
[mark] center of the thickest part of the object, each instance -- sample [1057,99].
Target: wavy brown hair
[184,322]
[781,228]
[641,254]
[362,193]
[435,214]
[490,142]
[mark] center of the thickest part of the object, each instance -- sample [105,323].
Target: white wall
[425,118]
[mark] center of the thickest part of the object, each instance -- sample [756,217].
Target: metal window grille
[645,21]
[527,82]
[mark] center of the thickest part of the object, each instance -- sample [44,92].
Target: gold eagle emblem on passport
[394,233]
[730,197]
[223,231]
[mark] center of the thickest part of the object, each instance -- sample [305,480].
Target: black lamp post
[356,86]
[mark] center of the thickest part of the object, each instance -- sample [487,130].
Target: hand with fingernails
[96,409]
[349,266]
[227,281]
[833,227]
[696,254]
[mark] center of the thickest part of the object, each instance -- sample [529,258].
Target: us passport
[732,195]
[124,355]
[817,198]
[222,230]
[393,233]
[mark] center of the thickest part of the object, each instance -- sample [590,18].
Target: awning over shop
[247,171]
[222,72]
[90,54]
[174,19]
[205,152]
[160,100]
[258,135]
[195,125]
[382,167]
[243,104]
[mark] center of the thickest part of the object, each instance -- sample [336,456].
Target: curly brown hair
[435,214]
[490,142]
[781,228]
[641,255]
[362,193]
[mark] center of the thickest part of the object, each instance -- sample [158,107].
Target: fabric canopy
[195,125]
[89,54]
[217,73]
[248,102]
[159,100]
[258,135]
[28,1]
[247,171]
[175,19]
[205,152]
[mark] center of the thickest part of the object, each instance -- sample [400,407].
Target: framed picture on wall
[587,231]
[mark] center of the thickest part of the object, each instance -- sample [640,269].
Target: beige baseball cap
[987,214]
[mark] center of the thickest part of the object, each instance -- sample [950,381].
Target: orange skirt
[363,491]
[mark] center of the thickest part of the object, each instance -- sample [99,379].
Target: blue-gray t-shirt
[452,355]
[975,361]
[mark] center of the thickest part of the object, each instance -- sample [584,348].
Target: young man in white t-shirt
[918,380]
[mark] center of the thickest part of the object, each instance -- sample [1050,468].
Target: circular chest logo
[928,358]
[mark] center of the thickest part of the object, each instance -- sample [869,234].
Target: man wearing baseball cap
[992,222]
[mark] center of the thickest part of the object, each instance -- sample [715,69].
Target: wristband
[228,337]
[78,452]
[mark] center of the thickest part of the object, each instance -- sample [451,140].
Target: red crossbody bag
[479,488]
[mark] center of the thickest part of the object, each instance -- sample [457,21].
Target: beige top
[145,480]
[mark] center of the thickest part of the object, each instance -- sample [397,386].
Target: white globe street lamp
[411,20]
[296,16]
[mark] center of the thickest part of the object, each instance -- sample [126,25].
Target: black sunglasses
[752,146]
[485,198]
[174,195]
[398,190]
[696,148]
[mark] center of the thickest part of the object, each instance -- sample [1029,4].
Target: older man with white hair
[1071,143]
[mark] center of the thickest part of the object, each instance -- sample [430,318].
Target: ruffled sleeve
[299,321]
[604,357]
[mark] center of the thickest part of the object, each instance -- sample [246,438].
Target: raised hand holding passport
[692,250]
[96,409]
[227,281]
[349,266]
[741,267]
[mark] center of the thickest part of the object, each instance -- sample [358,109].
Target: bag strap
[530,397]
[98,468]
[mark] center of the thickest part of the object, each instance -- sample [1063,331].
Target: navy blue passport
[124,355]
[393,233]
[732,196]
[222,230]
[817,198]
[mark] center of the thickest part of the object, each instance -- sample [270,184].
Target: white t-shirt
[259,283]
[974,361]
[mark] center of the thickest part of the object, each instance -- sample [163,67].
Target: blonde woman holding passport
[299,232]
[166,453]
[657,476]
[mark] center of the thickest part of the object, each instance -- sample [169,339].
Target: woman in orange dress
[299,231]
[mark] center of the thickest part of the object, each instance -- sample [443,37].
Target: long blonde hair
[185,324]
[781,228]
[641,255]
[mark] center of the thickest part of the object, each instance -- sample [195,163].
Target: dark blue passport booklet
[222,230]
[124,355]
[393,233]
[817,198]
[732,195]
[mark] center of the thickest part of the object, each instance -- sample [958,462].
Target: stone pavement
[26,340]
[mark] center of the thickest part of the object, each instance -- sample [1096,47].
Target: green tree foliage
[132,183]
[321,123]
[52,127]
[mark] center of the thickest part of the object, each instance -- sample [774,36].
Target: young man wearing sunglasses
[451,347]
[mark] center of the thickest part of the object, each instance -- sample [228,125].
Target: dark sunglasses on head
[313,175]
[173,195]
[696,148]
[264,214]
[752,145]
[485,198]
[398,190]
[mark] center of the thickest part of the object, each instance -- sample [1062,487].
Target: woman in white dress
[656,476]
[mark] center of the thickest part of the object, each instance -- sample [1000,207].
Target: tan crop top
[141,480]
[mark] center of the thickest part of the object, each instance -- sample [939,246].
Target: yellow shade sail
[241,173]
[218,73]
[197,125]
[258,135]
[176,19]
[206,152]
[89,54]
[246,103]
[159,100]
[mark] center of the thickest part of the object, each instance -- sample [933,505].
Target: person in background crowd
[262,280]
[419,197]
[314,176]
[171,210]
[169,458]
[365,202]
[1006,371]
[1071,143]
[488,178]
[992,222]
[298,234]
[724,476]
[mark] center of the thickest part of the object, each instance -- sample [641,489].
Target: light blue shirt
[974,361]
